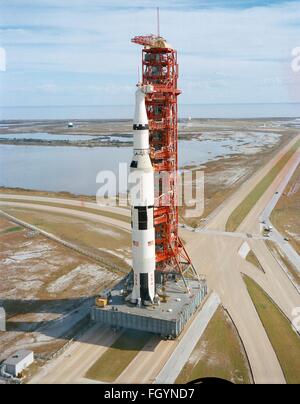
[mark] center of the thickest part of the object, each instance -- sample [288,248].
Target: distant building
[70,125]
[18,362]
[2,319]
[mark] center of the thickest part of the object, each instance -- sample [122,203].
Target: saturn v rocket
[142,205]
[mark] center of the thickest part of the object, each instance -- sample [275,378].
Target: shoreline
[118,133]
[222,178]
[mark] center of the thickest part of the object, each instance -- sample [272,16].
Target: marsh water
[74,169]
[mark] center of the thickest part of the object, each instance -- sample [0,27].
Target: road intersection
[215,254]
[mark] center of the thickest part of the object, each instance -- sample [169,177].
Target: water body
[126,111]
[74,169]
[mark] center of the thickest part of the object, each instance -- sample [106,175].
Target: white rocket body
[142,206]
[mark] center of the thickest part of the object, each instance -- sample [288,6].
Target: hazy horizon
[209,111]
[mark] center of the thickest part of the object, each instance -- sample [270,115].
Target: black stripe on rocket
[144,217]
[140,126]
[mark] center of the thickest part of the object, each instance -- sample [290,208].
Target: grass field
[240,213]
[11,230]
[252,258]
[219,353]
[118,356]
[285,341]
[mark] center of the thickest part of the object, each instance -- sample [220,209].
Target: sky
[78,52]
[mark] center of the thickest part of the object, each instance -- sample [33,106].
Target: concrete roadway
[218,258]
[223,233]
[72,365]
[219,217]
[170,356]
[183,350]
[93,217]
[70,202]
[265,216]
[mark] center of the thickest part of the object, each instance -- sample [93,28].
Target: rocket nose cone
[140,115]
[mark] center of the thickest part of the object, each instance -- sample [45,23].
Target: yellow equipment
[101,302]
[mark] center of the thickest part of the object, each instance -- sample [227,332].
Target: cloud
[80,50]
[142,4]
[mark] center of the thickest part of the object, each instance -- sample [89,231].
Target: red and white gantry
[160,70]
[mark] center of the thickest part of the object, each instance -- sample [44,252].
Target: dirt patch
[46,290]
[97,237]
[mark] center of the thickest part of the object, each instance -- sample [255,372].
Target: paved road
[69,212]
[238,235]
[219,219]
[157,353]
[218,258]
[265,216]
[183,350]
[71,202]
[148,363]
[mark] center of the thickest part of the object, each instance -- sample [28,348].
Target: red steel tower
[160,70]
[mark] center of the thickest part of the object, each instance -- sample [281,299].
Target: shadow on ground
[71,316]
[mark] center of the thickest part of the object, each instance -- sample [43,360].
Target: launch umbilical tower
[163,290]
[160,70]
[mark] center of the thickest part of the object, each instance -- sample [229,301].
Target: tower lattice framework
[160,70]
